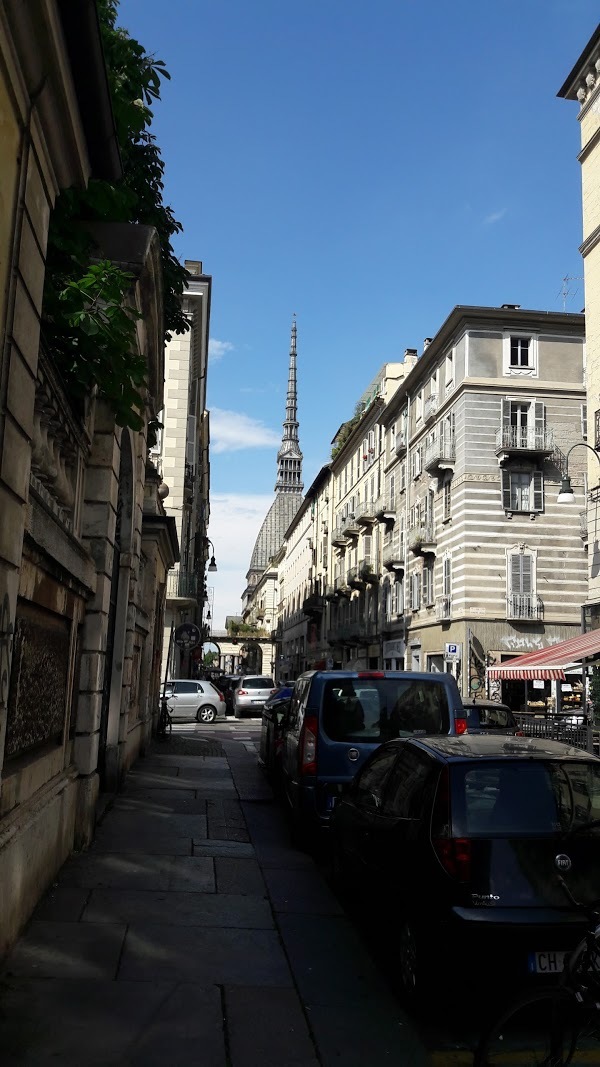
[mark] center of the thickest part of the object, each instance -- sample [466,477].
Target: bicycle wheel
[583,966]
[540,1030]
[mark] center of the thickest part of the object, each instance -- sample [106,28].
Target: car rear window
[373,710]
[258,683]
[524,798]
[493,718]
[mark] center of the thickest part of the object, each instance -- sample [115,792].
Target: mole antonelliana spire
[288,487]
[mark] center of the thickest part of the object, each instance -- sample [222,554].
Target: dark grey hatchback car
[461,841]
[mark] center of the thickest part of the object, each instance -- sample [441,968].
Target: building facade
[182,455]
[583,85]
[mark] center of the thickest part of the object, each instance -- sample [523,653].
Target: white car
[191,699]
[250,694]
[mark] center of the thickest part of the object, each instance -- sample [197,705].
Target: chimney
[410,358]
[427,342]
[510,307]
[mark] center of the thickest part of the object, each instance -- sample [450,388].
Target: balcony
[330,592]
[524,606]
[314,605]
[443,607]
[337,536]
[430,407]
[422,540]
[366,513]
[368,572]
[340,586]
[350,526]
[523,440]
[393,554]
[354,579]
[385,509]
[401,441]
[182,585]
[440,454]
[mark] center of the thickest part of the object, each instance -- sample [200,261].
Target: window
[393,437]
[428,583]
[521,573]
[369,785]
[520,355]
[405,791]
[419,405]
[522,490]
[447,577]
[449,371]
[415,463]
[523,424]
[447,501]
[402,485]
[415,592]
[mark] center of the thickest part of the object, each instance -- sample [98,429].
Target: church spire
[289,457]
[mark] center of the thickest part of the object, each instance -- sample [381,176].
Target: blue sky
[367,167]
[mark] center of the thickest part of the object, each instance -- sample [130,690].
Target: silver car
[250,694]
[191,699]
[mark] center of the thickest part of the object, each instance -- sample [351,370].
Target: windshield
[519,798]
[370,709]
[493,717]
[257,683]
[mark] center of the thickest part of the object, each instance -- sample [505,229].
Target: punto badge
[562,862]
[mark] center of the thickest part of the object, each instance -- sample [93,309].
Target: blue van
[337,718]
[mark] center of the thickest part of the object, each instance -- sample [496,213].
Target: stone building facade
[85,545]
[583,85]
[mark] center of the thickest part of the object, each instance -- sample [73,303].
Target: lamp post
[566,494]
[212,566]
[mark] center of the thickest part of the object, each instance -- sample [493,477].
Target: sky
[366,167]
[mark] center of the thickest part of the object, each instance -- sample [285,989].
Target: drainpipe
[406,515]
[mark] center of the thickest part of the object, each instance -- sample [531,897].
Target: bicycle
[165,722]
[566,1019]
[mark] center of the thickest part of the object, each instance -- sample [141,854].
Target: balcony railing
[340,584]
[524,606]
[350,526]
[366,512]
[367,570]
[393,554]
[441,450]
[524,439]
[338,536]
[314,604]
[353,578]
[443,607]
[430,406]
[421,539]
[182,584]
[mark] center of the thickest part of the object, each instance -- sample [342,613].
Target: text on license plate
[546,962]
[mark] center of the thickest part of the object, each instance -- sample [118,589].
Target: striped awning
[549,663]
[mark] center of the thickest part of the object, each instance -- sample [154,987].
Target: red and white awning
[549,663]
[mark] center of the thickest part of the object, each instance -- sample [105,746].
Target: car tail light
[273,691]
[308,745]
[221,697]
[519,733]
[242,692]
[460,726]
[454,854]
[371,674]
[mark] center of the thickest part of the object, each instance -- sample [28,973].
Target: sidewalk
[192,933]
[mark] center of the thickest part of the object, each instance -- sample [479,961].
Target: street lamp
[566,494]
[212,566]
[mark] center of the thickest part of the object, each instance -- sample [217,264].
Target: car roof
[483,702]
[436,676]
[487,746]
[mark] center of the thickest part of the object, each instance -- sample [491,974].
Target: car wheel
[415,977]
[206,714]
[237,713]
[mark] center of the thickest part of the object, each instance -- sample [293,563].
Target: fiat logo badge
[562,862]
[353,754]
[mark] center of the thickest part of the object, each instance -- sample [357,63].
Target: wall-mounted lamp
[212,566]
[566,494]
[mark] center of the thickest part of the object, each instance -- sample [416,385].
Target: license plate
[546,962]
[257,701]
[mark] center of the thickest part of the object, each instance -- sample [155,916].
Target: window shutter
[539,414]
[399,598]
[447,576]
[392,491]
[584,421]
[526,574]
[393,599]
[506,490]
[515,573]
[367,548]
[506,415]
[538,491]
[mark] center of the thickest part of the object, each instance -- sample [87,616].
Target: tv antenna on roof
[564,289]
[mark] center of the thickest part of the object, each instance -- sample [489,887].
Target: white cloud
[494,216]
[231,431]
[217,349]
[235,519]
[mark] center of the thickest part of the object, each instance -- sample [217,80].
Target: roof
[569,88]
[549,663]
[479,746]
[272,531]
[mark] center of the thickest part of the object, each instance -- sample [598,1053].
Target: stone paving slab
[140,781]
[177,909]
[97,870]
[289,858]
[69,1023]
[205,763]
[284,1039]
[158,823]
[300,891]
[227,811]
[375,1034]
[232,849]
[223,832]
[329,962]
[186,1031]
[67,950]
[196,954]
[62,904]
[242,876]
[161,802]
[146,844]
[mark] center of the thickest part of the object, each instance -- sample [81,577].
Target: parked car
[337,718]
[488,716]
[227,684]
[271,732]
[463,839]
[199,700]
[250,694]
